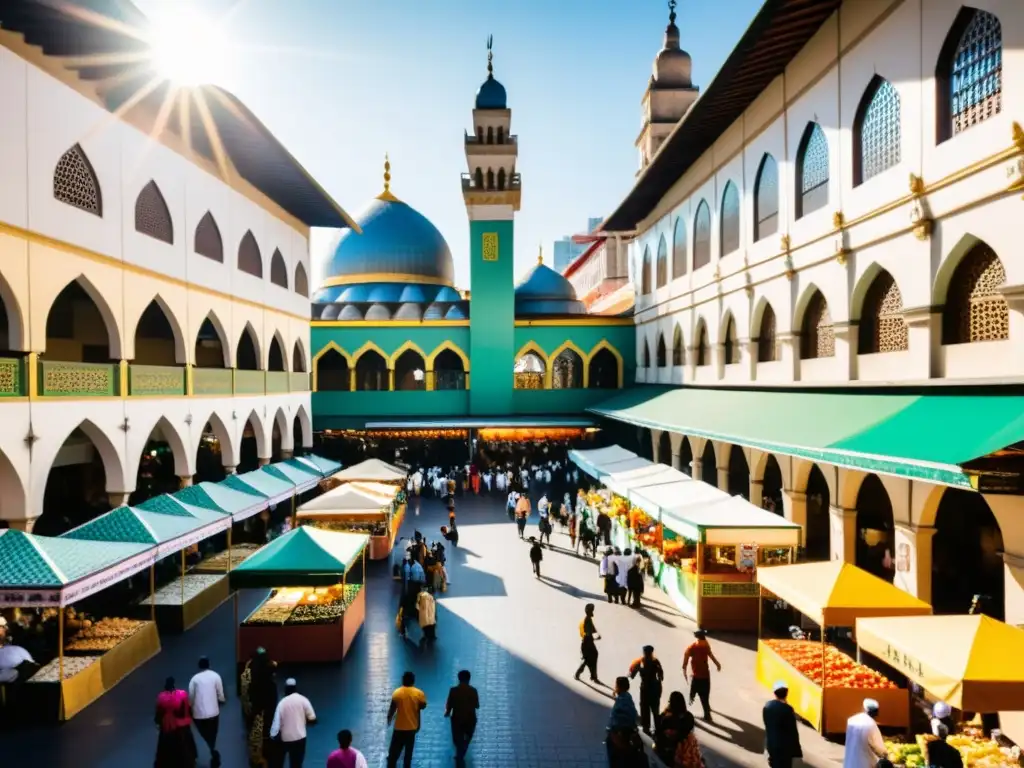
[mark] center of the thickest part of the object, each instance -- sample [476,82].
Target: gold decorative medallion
[490,246]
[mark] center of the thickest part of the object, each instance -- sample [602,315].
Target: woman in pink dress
[175,747]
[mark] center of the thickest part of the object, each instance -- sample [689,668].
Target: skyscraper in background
[565,250]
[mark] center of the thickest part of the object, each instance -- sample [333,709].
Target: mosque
[398,346]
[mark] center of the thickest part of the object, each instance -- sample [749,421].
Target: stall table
[832,594]
[315,610]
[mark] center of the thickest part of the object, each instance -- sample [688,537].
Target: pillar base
[843,534]
[285,455]
[263,462]
[230,469]
[118,498]
[25,526]
[184,481]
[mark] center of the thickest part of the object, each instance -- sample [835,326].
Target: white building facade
[151,294]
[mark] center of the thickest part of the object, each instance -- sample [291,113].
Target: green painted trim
[277,382]
[156,380]
[12,377]
[60,379]
[212,381]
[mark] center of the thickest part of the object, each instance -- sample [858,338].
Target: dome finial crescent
[540,253]
[386,194]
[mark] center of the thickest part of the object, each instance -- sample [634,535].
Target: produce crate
[204,593]
[218,563]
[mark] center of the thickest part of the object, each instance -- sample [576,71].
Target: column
[723,479]
[924,342]
[286,454]
[25,526]
[230,469]
[263,462]
[842,533]
[677,461]
[756,492]
[794,508]
[914,559]
[352,379]
[184,481]
[429,383]
[391,379]
[118,498]
[656,446]
[697,468]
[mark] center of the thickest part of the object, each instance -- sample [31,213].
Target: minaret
[492,191]
[669,94]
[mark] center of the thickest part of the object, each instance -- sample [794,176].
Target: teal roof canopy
[303,557]
[43,562]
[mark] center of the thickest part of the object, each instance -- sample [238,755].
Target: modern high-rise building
[566,251]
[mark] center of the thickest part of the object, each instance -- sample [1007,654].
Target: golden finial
[386,194]
[490,55]
[540,253]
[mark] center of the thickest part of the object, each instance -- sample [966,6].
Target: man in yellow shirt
[523,509]
[406,704]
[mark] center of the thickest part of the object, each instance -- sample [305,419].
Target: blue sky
[341,82]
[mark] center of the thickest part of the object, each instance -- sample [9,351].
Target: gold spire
[386,194]
[490,56]
[540,253]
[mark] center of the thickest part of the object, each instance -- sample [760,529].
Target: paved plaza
[518,635]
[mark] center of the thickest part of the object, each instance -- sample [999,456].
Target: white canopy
[385,491]
[657,500]
[372,470]
[345,499]
[622,481]
[595,461]
[731,521]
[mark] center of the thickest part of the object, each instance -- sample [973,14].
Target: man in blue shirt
[621,723]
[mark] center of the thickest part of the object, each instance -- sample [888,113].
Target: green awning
[221,497]
[263,483]
[161,522]
[303,557]
[926,437]
[300,466]
[322,465]
[302,480]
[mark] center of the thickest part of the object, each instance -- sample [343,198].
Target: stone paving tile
[517,634]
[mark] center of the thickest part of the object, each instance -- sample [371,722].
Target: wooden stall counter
[183,603]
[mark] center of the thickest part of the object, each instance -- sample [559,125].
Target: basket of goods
[841,670]
[269,614]
[975,750]
[104,635]
[49,673]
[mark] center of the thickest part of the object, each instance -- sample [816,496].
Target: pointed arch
[766,198]
[702,355]
[350,365]
[767,333]
[409,364]
[305,424]
[730,339]
[277,360]
[879,304]
[229,445]
[660,351]
[372,370]
[301,281]
[278,270]
[284,430]
[152,216]
[299,357]
[248,356]
[75,182]
[678,346]
[702,235]
[184,458]
[405,347]
[116,477]
[264,446]
[812,171]
[227,349]
[646,361]
[250,260]
[180,352]
[646,267]
[14,498]
[975,309]
[451,346]
[969,72]
[661,265]
[595,375]
[17,339]
[729,219]
[877,137]
[114,340]
[583,359]
[680,254]
[817,334]
[207,241]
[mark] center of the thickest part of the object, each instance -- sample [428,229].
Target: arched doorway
[297,447]
[248,453]
[275,355]
[76,487]
[298,358]
[371,372]
[209,459]
[155,342]
[739,473]
[875,529]
[449,372]
[209,349]
[817,544]
[686,457]
[708,465]
[410,371]
[604,370]
[246,356]
[665,449]
[771,486]
[76,329]
[332,372]
[567,370]
[156,474]
[967,557]
[276,436]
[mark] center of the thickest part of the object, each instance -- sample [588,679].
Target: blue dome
[545,292]
[396,241]
[491,95]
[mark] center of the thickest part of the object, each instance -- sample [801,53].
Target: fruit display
[843,671]
[370,528]
[676,551]
[975,750]
[103,635]
[305,606]
[171,594]
[72,666]
[219,561]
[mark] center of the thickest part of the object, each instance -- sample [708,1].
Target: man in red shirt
[697,671]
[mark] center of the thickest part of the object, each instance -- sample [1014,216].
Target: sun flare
[188,48]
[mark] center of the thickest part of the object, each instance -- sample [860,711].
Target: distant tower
[492,191]
[669,92]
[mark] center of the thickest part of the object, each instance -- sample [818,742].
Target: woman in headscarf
[259,700]
[675,742]
[175,747]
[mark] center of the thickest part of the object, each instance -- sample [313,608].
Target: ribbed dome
[672,65]
[491,95]
[397,241]
[545,292]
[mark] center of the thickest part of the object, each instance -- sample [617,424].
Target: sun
[188,48]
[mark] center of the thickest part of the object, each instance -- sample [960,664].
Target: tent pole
[230,527]
[152,591]
[824,680]
[183,577]
[291,524]
[60,663]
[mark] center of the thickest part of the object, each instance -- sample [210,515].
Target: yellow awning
[835,594]
[975,663]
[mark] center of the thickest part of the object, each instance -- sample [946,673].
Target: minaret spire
[490,57]
[540,253]
[386,194]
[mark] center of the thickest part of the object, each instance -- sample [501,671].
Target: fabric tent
[383,490]
[622,481]
[732,521]
[322,465]
[218,496]
[974,663]
[303,557]
[657,500]
[264,484]
[373,470]
[836,594]
[593,461]
[302,479]
[346,499]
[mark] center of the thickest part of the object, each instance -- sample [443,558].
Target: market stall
[370,470]
[595,461]
[367,508]
[973,663]
[826,685]
[90,657]
[326,467]
[240,506]
[317,602]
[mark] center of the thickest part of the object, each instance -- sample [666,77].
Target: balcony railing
[212,381]
[156,380]
[298,381]
[512,183]
[250,382]
[472,138]
[277,382]
[58,379]
[12,377]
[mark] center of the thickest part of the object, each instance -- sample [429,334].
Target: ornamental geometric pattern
[766,199]
[156,380]
[250,260]
[567,371]
[75,182]
[882,327]
[10,377]
[679,249]
[975,309]
[730,219]
[879,134]
[702,236]
[208,241]
[77,379]
[812,171]
[278,270]
[976,79]
[662,263]
[151,215]
[489,246]
[767,349]
[818,337]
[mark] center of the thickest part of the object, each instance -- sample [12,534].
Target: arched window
[152,216]
[500,135]
[301,281]
[490,177]
[969,76]
[817,336]
[478,178]
[247,358]
[882,328]
[767,348]
[730,343]
[155,341]
[490,134]
[647,355]
[604,370]
[275,355]
[209,350]
[249,259]
[278,270]
[678,356]
[529,372]
[75,182]
[410,371]
[332,372]
[449,372]
[703,358]
[679,254]
[501,178]
[646,267]
[811,171]
[975,309]
[730,219]
[371,372]
[208,242]
[661,353]
[702,235]
[766,199]
[567,370]
[298,359]
[877,139]
[662,263]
